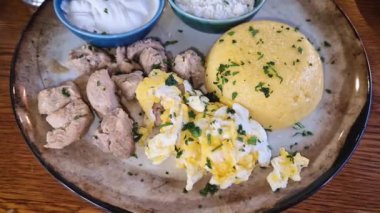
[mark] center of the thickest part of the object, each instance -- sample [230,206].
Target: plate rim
[350,145]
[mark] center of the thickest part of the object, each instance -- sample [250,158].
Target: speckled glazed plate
[134,184]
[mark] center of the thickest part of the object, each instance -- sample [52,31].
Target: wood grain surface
[25,186]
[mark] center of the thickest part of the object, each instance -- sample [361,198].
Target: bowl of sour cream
[109,23]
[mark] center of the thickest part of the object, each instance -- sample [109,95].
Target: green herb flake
[221,40]
[253,31]
[220,131]
[216,148]
[208,163]
[178,151]
[298,126]
[234,41]
[208,189]
[193,129]
[166,124]
[262,87]
[234,95]
[270,70]
[300,50]
[240,130]
[208,139]
[65,92]
[156,66]
[261,55]
[191,114]
[231,33]
[172,42]
[304,133]
[326,44]
[135,132]
[252,140]
[291,156]
[170,81]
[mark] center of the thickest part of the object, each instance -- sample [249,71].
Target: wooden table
[25,186]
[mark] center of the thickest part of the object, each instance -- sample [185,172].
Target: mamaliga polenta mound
[268,67]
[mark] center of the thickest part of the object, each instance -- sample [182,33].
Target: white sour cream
[109,16]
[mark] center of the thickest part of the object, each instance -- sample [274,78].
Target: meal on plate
[216,9]
[210,117]
[109,17]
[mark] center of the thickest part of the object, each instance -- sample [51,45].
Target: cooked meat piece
[189,66]
[153,59]
[52,99]
[128,83]
[72,111]
[87,59]
[135,49]
[124,65]
[158,109]
[70,123]
[81,82]
[114,134]
[134,110]
[101,93]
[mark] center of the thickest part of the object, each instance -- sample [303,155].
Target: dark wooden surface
[25,186]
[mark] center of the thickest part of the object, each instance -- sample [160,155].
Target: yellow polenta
[270,68]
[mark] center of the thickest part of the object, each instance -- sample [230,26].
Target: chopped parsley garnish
[216,148]
[178,151]
[209,189]
[240,130]
[234,41]
[157,66]
[326,44]
[223,74]
[252,140]
[261,41]
[193,129]
[208,139]
[234,95]
[135,132]
[304,133]
[298,126]
[221,40]
[167,43]
[253,31]
[231,111]
[261,55]
[300,50]
[261,87]
[170,81]
[65,92]
[191,114]
[165,124]
[291,156]
[208,163]
[220,131]
[270,70]
[212,97]
[231,33]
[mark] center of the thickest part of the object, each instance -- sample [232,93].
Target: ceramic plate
[135,184]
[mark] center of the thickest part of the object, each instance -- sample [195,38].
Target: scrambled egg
[286,166]
[203,137]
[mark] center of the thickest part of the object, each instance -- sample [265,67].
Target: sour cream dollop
[109,16]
